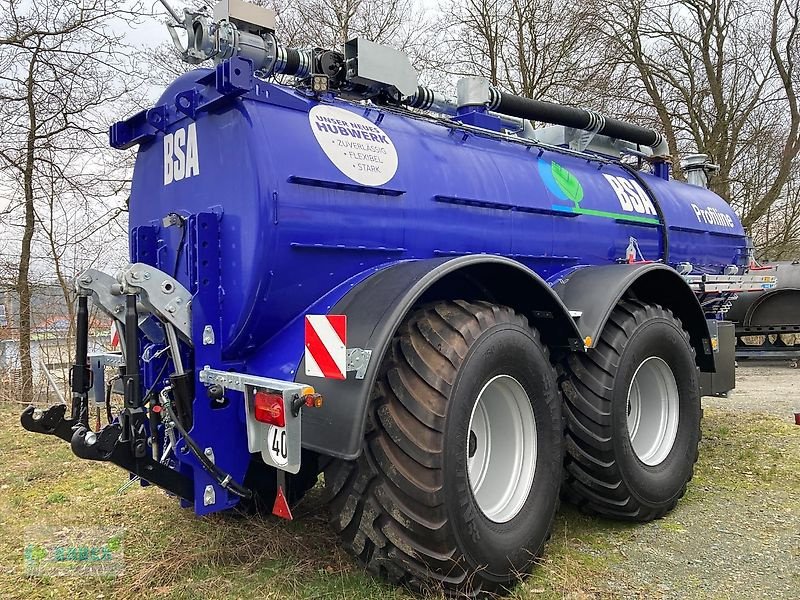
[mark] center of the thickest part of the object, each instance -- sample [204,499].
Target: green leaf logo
[35,553]
[567,182]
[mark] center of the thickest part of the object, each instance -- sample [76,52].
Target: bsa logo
[631,196]
[180,154]
[569,196]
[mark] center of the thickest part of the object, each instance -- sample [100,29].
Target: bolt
[135,275]
[118,308]
[171,309]
[178,301]
[147,274]
[86,280]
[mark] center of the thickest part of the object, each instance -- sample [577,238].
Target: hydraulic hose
[223,479]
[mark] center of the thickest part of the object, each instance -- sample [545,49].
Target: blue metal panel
[230,451]
[703,229]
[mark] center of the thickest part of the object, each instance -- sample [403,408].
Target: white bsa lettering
[181,158]
[622,196]
[168,142]
[192,159]
[631,196]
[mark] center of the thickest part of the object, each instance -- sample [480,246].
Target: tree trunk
[23,275]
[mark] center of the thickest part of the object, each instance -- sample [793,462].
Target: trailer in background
[768,324]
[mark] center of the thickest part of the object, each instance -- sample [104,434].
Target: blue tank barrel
[411,265]
[312,194]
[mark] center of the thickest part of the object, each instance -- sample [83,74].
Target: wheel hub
[501,448]
[653,411]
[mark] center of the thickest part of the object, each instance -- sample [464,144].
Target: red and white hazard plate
[326,346]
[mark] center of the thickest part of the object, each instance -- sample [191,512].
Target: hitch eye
[268,408]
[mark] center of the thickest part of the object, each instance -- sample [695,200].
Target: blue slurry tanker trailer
[456,317]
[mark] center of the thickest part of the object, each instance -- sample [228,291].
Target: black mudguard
[595,291]
[376,307]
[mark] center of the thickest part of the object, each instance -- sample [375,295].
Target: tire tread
[388,505]
[593,480]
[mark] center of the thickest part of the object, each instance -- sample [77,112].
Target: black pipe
[80,374]
[291,61]
[569,116]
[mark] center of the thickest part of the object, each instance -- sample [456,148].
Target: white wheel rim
[501,448]
[653,411]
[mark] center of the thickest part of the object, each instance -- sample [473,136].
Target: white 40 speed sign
[277,445]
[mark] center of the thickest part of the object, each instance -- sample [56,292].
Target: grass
[169,552]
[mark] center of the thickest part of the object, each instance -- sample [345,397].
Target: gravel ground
[737,532]
[763,387]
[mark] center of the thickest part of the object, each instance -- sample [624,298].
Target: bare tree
[777,236]
[63,66]
[535,48]
[721,77]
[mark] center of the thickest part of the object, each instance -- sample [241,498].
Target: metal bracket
[358,361]
[97,363]
[241,381]
[161,294]
[580,138]
[99,286]
[730,283]
[209,497]
[208,335]
[262,437]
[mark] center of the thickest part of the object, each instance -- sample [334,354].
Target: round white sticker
[356,146]
[278,450]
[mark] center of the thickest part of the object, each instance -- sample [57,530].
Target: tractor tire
[632,411]
[465,396]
